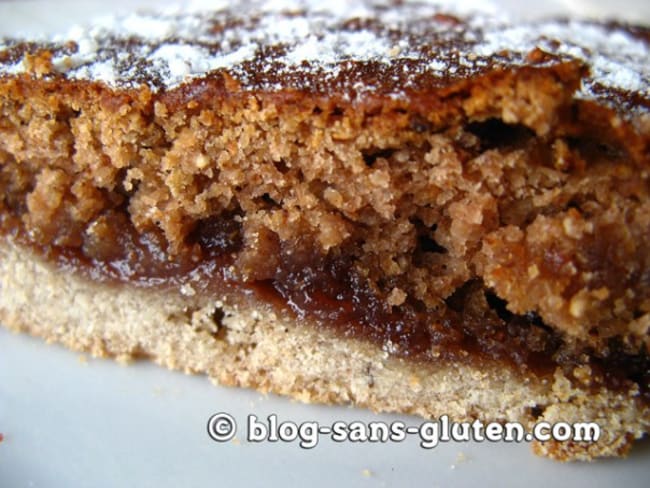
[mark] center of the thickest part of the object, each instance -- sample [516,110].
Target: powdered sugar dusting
[305,44]
[617,60]
[334,47]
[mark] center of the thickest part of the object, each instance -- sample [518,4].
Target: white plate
[70,421]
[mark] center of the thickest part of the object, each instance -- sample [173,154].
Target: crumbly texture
[240,342]
[377,187]
[458,186]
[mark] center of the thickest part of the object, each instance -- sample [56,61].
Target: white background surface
[70,421]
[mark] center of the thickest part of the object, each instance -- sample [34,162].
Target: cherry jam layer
[474,325]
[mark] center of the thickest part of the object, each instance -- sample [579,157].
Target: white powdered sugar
[438,65]
[181,61]
[264,44]
[334,47]
[147,27]
[616,59]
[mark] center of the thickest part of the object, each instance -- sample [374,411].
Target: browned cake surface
[453,190]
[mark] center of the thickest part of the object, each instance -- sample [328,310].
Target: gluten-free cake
[390,204]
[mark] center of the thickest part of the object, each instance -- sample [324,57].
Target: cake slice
[392,205]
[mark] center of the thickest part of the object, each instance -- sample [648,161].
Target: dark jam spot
[419,124]
[370,156]
[494,332]
[281,166]
[536,411]
[427,244]
[218,235]
[494,133]
[117,251]
[499,306]
[268,202]
[333,293]
[619,367]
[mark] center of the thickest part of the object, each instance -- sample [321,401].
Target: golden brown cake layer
[481,240]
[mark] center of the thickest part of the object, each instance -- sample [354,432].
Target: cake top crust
[385,48]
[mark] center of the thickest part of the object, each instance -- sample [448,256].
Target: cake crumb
[124,359]
[366,473]
[396,297]
[533,271]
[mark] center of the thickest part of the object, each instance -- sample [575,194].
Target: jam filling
[473,326]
